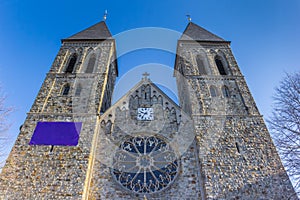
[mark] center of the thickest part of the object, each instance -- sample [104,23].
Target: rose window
[145,164]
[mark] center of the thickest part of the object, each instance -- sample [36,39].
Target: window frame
[65,89]
[219,61]
[71,66]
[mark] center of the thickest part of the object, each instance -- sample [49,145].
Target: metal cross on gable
[145,75]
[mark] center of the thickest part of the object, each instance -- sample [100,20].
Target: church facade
[74,144]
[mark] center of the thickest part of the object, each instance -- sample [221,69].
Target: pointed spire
[197,33]
[98,31]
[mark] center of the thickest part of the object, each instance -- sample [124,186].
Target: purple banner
[56,133]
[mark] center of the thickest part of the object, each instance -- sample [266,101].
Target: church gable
[145,108]
[141,141]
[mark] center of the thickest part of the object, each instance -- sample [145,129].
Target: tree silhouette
[4,125]
[285,125]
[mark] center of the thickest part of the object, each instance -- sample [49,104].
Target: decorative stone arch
[213,91]
[212,52]
[154,99]
[202,63]
[160,100]
[85,59]
[134,102]
[80,52]
[91,63]
[146,91]
[91,60]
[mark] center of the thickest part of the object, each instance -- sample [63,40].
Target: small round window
[145,164]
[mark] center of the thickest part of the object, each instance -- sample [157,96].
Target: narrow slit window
[71,63]
[237,147]
[220,66]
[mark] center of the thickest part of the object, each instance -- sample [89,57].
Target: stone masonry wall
[236,153]
[32,171]
[239,159]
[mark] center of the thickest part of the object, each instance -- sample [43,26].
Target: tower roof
[98,31]
[197,33]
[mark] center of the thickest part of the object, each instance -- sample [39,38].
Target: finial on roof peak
[145,76]
[105,15]
[189,17]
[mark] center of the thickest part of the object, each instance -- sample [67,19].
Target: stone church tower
[75,145]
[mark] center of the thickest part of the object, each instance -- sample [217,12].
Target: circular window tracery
[145,164]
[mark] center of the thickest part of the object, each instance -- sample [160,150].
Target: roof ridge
[98,31]
[198,33]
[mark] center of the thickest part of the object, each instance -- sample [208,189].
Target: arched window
[213,91]
[78,90]
[200,64]
[225,92]
[220,65]
[71,63]
[66,89]
[91,64]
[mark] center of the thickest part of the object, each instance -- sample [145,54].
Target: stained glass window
[145,164]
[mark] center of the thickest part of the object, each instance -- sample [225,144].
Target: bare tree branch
[4,126]
[285,125]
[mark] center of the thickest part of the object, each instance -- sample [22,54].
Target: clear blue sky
[264,34]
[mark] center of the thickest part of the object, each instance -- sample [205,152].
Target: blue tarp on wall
[56,133]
